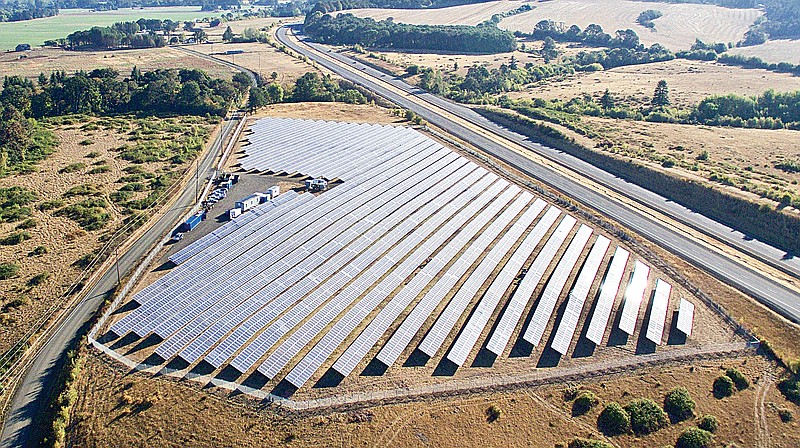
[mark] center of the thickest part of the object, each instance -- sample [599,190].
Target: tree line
[309,87]
[329,6]
[346,29]
[101,91]
[15,12]
[144,33]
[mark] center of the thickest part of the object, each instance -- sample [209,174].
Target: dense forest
[346,29]
[15,12]
[123,35]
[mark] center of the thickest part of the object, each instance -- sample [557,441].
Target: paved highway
[642,211]
[22,426]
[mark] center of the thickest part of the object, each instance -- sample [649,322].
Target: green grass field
[35,32]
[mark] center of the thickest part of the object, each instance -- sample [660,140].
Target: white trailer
[234,212]
[274,191]
[249,202]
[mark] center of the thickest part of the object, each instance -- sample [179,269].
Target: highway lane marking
[696,235]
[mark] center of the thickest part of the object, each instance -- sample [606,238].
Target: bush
[588,443]
[583,403]
[723,387]
[72,167]
[84,190]
[614,420]
[8,270]
[27,224]
[790,388]
[785,415]
[703,155]
[15,238]
[646,416]
[738,378]
[51,204]
[694,438]
[38,279]
[493,413]
[38,250]
[679,404]
[90,214]
[99,169]
[708,423]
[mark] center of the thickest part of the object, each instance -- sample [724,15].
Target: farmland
[773,51]
[35,32]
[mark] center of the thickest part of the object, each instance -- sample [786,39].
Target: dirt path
[762,426]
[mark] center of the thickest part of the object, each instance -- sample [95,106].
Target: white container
[274,191]
[234,212]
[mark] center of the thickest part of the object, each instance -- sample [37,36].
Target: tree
[227,36]
[549,50]
[646,416]
[614,420]
[739,380]
[200,36]
[708,422]
[695,438]
[242,81]
[274,93]
[273,76]
[723,387]
[661,94]
[679,404]
[257,99]
[606,101]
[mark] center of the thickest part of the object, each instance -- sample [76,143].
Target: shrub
[99,169]
[790,388]
[15,238]
[86,142]
[668,163]
[38,279]
[739,380]
[723,387]
[694,438]
[785,415]
[583,403]
[703,155]
[51,204]
[90,214]
[493,413]
[708,423]
[646,416]
[92,155]
[8,270]
[614,420]
[588,443]
[72,167]
[38,250]
[679,404]
[83,190]
[27,224]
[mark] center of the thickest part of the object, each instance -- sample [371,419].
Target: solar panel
[608,293]
[685,317]
[633,297]
[658,312]
[519,300]
[491,298]
[577,297]
[547,303]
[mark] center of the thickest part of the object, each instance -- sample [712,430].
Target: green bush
[708,423]
[785,415]
[790,388]
[99,169]
[90,214]
[723,387]
[614,420]
[646,416]
[86,142]
[13,201]
[51,204]
[583,403]
[493,413]
[27,224]
[83,190]
[38,279]
[72,167]
[694,438]
[15,238]
[679,404]
[92,155]
[588,443]
[8,270]
[739,380]
[38,250]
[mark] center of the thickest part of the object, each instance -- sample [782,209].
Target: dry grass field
[396,62]
[47,60]
[260,58]
[87,154]
[773,51]
[456,15]
[116,408]
[680,25]
[689,82]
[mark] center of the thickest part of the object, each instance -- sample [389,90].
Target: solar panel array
[417,243]
[608,294]
[634,294]
[685,317]
[658,312]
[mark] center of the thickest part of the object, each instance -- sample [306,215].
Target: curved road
[24,425]
[776,295]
